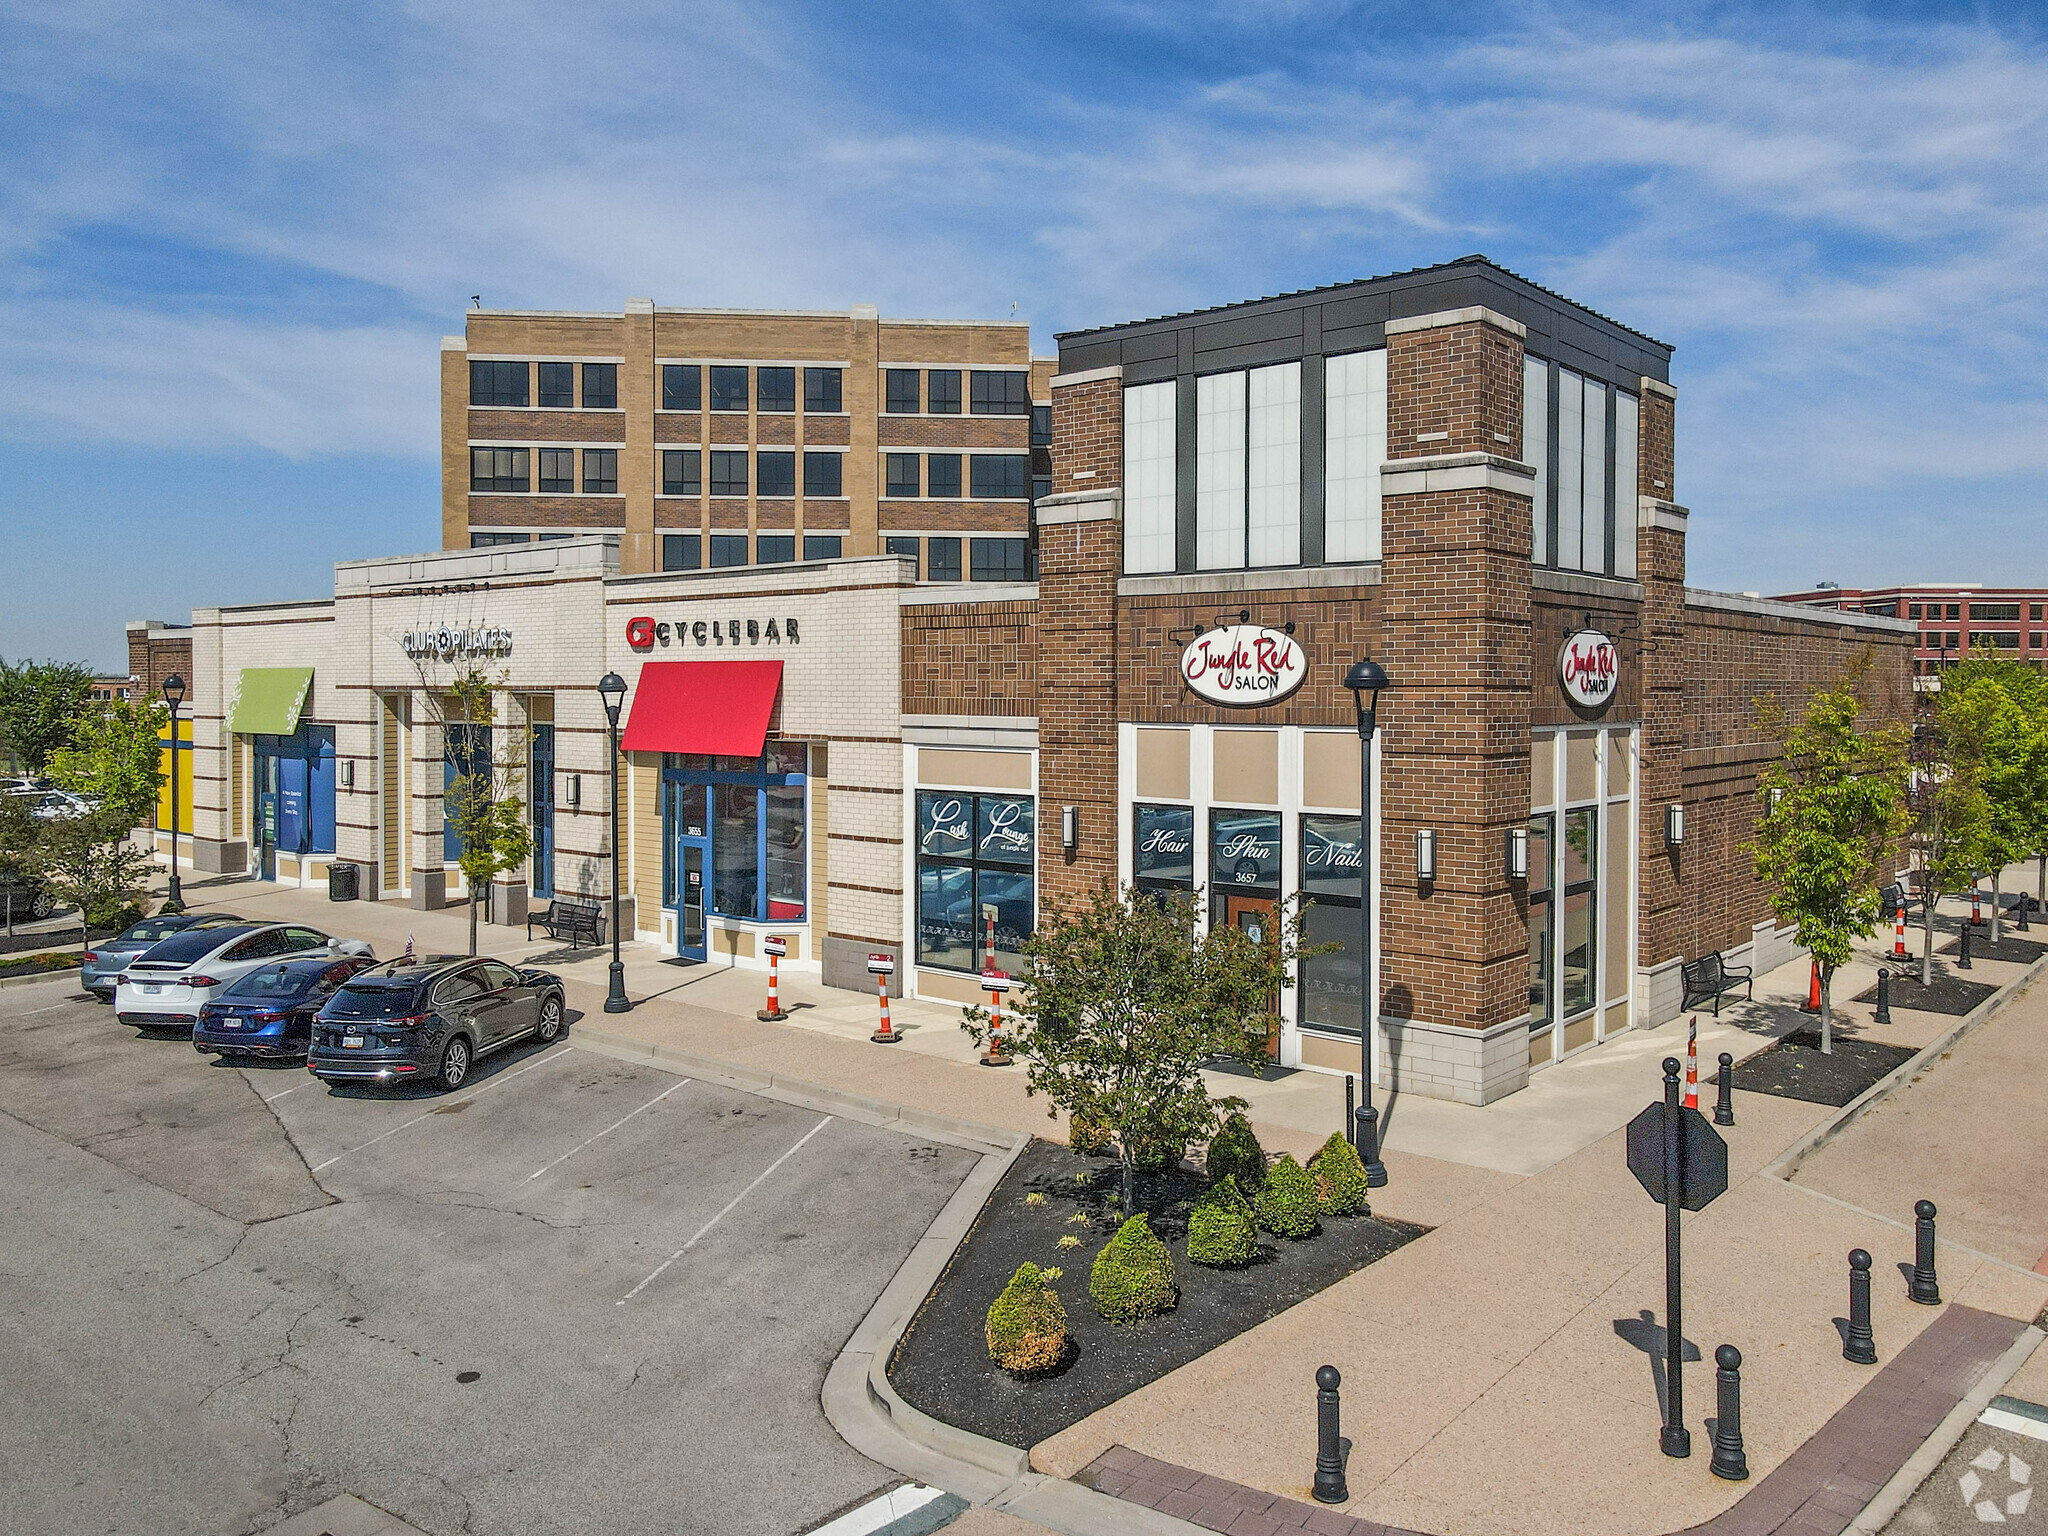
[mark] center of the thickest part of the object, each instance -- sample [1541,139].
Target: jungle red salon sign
[1244,665]
[1589,666]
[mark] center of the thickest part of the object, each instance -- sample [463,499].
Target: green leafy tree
[1951,820]
[115,758]
[41,703]
[20,838]
[91,863]
[483,805]
[1126,999]
[1993,718]
[1834,815]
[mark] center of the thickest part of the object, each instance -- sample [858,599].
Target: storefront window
[736,850]
[1581,868]
[1244,851]
[1332,862]
[1540,999]
[1163,847]
[746,817]
[295,790]
[465,761]
[975,887]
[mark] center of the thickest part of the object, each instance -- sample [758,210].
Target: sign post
[1682,1162]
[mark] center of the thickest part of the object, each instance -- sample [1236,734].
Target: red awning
[720,707]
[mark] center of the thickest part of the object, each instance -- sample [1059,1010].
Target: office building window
[1273,463]
[1355,418]
[1913,611]
[728,472]
[1041,426]
[558,471]
[821,546]
[1586,494]
[498,469]
[898,545]
[2033,612]
[942,391]
[899,391]
[682,472]
[775,548]
[600,386]
[502,384]
[493,540]
[682,387]
[900,478]
[942,474]
[728,549]
[943,560]
[1955,611]
[775,389]
[999,559]
[974,879]
[999,394]
[600,471]
[821,391]
[728,389]
[2004,613]
[557,386]
[999,476]
[1041,487]
[681,551]
[777,472]
[1149,480]
[822,473]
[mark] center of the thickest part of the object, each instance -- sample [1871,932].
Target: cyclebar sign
[644,634]
[1589,666]
[1244,665]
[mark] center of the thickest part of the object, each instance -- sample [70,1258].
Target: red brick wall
[1464,381]
[1088,436]
[970,659]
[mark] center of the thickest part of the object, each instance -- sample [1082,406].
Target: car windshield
[196,943]
[275,982]
[368,1000]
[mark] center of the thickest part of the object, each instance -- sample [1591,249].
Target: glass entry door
[543,803]
[693,880]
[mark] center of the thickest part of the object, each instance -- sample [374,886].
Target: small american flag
[408,947]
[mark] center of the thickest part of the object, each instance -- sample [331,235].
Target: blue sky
[231,236]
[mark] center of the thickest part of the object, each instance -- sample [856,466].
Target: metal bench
[1892,897]
[1710,976]
[571,922]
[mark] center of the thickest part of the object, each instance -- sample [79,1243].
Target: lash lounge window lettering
[975,886]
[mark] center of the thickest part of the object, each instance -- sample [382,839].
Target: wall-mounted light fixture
[575,791]
[1070,829]
[1425,856]
[1518,853]
[348,773]
[1674,826]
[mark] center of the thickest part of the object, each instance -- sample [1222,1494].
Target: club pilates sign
[441,643]
[1244,666]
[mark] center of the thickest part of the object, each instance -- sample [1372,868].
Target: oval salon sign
[1244,665]
[1589,666]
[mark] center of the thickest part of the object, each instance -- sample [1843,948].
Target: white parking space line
[730,1204]
[459,1099]
[684,1083]
[273,1098]
[884,1509]
[51,1009]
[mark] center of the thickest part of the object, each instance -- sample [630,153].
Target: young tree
[115,758]
[20,838]
[1126,999]
[1951,820]
[91,862]
[1833,816]
[484,805]
[40,704]
[1992,715]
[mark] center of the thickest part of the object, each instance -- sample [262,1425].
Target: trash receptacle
[342,882]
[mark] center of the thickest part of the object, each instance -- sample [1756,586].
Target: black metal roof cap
[1363,282]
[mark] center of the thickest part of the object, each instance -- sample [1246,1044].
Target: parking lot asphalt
[578,1295]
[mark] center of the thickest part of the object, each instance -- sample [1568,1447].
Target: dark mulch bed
[2013,951]
[35,965]
[1794,1068]
[1952,995]
[942,1365]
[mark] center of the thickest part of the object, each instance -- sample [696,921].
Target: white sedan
[165,987]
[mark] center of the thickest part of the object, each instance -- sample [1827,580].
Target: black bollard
[1724,1101]
[1859,1346]
[1884,997]
[1329,1485]
[1728,1462]
[2025,901]
[1922,1286]
[1350,1107]
[1963,950]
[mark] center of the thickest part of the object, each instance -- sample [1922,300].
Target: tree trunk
[472,917]
[1827,1010]
[1927,945]
[1128,1169]
[2042,893]
[1996,929]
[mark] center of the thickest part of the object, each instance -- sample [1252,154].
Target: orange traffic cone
[1812,1003]
[1899,933]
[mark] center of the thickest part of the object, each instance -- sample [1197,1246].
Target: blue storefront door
[693,884]
[543,802]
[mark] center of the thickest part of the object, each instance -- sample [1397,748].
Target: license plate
[352,1042]
[230,1023]
[150,989]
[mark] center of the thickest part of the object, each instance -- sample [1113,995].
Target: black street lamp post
[174,695]
[1365,680]
[612,689]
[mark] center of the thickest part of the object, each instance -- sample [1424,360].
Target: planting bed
[35,965]
[1949,994]
[1795,1068]
[942,1364]
[2011,950]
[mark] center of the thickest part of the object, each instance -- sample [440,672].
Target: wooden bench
[1711,976]
[571,922]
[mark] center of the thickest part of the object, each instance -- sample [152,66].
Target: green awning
[268,700]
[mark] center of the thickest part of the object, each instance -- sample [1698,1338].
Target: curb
[68,973]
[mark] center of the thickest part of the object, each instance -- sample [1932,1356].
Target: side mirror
[355,947]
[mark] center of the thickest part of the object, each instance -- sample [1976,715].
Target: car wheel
[454,1065]
[550,1021]
[44,905]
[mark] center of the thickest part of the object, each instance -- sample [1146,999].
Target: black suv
[430,1018]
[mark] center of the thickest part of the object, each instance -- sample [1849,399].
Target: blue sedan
[269,1012]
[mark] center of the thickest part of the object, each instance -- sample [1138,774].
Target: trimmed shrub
[1221,1231]
[1340,1178]
[1133,1275]
[1235,1153]
[1027,1327]
[1157,1154]
[1087,1135]
[1287,1207]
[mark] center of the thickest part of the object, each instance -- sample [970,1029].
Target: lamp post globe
[1365,679]
[611,688]
[174,695]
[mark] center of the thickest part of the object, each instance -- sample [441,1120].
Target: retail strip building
[1452,471]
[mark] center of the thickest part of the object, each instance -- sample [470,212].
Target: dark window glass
[682,387]
[557,386]
[1331,990]
[775,389]
[2001,612]
[600,386]
[600,471]
[944,558]
[1163,847]
[466,988]
[682,472]
[942,386]
[498,469]
[1244,851]
[497,384]
[974,885]
[999,559]
[900,392]
[776,472]
[366,1000]
[1913,611]
[2033,612]
[728,389]
[999,476]
[775,548]
[1041,426]
[493,540]
[681,551]
[729,473]
[728,549]
[821,390]
[558,471]
[1041,487]
[999,394]
[899,545]
[1332,855]
[821,474]
[902,477]
[942,473]
[821,546]
[1955,610]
